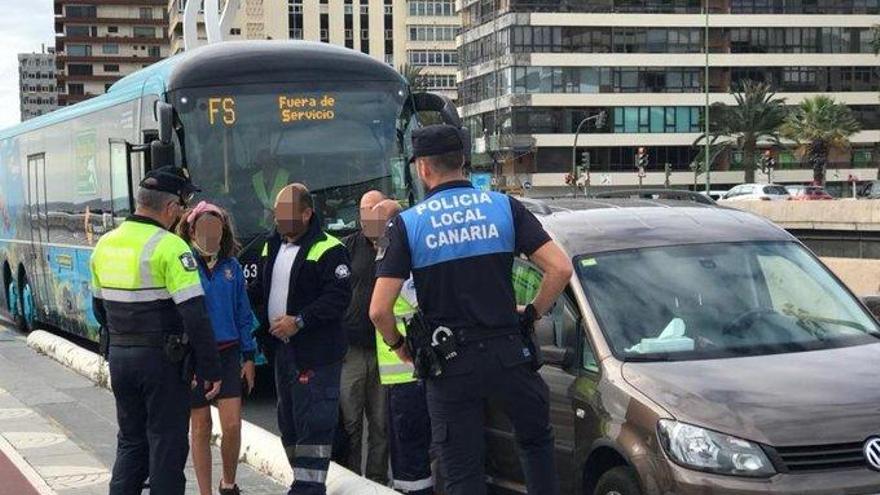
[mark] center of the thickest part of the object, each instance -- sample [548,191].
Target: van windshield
[720,300]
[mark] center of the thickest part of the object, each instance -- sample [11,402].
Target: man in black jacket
[306,289]
[362,394]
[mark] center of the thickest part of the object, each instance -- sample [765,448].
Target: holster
[527,328]
[426,361]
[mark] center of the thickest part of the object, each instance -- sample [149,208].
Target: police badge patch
[228,274]
[342,272]
[189,262]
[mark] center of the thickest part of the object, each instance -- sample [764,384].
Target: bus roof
[232,62]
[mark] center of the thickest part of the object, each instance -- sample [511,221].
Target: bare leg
[201,447]
[230,446]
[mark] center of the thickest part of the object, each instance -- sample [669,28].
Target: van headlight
[705,450]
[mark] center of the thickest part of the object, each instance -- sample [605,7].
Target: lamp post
[706,116]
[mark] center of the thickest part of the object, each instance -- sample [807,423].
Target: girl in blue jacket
[208,229]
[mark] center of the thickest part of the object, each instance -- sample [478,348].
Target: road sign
[527,185]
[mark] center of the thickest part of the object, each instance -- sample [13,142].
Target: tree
[757,116]
[414,77]
[819,125]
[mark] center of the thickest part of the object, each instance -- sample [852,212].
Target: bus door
[38,218]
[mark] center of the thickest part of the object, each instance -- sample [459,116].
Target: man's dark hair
[448,162]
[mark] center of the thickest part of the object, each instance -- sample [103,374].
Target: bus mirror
[430,102]
[161,154]
[165,116]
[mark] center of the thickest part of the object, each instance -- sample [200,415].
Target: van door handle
[581,414]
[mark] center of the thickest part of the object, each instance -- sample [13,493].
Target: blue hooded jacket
[227,303]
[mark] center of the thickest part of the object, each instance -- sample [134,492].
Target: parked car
[808,193]
[697,350]
[764,192]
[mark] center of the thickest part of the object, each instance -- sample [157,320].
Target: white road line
[25,469]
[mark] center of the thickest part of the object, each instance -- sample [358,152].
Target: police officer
[306,287]
[148,297]
[459,244]
[409,424]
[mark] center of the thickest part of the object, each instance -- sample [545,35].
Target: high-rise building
[415,33]
[100,41]
[531,72]
[36,83]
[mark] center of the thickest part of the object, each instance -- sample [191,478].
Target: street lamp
[706,116]
[600,120]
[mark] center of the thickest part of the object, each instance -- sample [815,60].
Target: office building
[532,70]
[100,41]
[36,83]
[418,33]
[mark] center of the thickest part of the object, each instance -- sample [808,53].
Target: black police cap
[436,140]
[170,179]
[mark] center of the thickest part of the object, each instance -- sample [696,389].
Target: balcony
[110,39]
[66,99]
[108,59]
[115,21]
[139,3]
[62,77]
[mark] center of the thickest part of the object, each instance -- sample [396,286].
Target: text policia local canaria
[299,108]
[452,227]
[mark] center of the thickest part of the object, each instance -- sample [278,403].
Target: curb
[260,449]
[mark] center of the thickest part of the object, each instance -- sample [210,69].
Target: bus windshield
[243,144]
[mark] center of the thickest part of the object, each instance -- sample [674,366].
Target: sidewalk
[64,427]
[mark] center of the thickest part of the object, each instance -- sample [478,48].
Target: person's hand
[283,327]
[403,354]
[212,389]
[249,374]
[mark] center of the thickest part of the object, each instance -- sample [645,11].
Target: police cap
[170,179]
[436,140]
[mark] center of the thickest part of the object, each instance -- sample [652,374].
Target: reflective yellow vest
[393,371]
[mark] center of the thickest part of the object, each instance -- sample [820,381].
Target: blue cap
[436,140]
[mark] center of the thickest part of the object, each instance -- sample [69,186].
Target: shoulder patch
[342,272]
[189,262]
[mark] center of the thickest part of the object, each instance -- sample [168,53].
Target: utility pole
[706,117]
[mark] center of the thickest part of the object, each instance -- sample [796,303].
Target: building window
[144,32]
[112,29]
[79,50]
[365,34]
[81,11]
[389,34]
[154,51]
[110,48]
[146,13]
[111,68]
[440,58]
[389,59]
[325,35]
[349,34]
[444,8]
[79,69]
[296,34]
[107,86]
[77,30]
[235,31]
[75,89]
[389,9]
[364,9]
[295,8]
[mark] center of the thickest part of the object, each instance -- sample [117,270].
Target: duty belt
[476,334]
[153,339]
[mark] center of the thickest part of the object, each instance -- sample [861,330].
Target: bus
[244,118]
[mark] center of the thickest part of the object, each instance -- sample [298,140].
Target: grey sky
[24,25]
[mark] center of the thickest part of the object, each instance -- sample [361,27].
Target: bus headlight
[705,450]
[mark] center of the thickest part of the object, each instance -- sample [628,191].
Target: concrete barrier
[260,449]
[862,276]
[850,215]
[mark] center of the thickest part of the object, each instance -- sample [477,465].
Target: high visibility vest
[316,251]
[140,262]
[393,371]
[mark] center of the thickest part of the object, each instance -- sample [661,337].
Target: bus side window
[119,179]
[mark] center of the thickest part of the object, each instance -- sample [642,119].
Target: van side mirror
[430,102]
[873,304]
[545,340]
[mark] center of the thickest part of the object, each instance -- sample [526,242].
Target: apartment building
[36,83]
[418,33]
[532,70]
[100,41]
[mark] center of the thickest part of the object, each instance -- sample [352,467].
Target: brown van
[698,350]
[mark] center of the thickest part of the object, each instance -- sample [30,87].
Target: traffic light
[642,158]
[600,120]
[585,159]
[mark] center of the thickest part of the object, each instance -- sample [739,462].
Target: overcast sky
[24,25]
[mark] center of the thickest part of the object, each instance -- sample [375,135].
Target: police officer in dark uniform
[459,243]
[149,301]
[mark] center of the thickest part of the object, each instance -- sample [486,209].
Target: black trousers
[152,408]
[409,436]
[495,368]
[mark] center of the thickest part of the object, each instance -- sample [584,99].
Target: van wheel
[619,481]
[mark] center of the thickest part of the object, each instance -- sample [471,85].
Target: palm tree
[757,116]
[414,77]
[820,124]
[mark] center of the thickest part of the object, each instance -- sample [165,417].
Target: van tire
[619,481]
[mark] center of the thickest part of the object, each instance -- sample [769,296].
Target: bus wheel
[28,308]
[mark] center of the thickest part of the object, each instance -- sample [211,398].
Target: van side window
[588,358]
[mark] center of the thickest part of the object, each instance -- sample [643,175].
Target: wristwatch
[299,322]
[397,345]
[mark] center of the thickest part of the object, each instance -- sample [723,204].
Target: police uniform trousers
[410,439]
[152,409]
[497,368]
[308,414]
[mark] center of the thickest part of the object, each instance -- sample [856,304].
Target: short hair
[153,200]
[298,192]
[450,161]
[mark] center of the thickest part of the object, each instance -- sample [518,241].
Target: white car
[762,192]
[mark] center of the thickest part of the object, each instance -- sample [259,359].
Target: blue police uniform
[459,243]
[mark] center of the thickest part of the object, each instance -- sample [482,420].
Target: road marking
[14,412]
[33,439]
[40,486]
[65,477]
